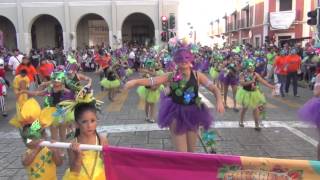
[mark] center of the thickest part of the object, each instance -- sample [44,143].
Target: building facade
[27,24]
[268,21]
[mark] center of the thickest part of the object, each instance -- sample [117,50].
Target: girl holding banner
[182,110]
[86,165]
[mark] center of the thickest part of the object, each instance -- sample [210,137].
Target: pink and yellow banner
[142,164]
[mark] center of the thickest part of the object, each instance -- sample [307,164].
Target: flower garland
[178,86]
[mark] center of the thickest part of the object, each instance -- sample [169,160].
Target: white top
[132,55]
[15,61]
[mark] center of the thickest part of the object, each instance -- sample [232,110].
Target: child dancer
[310,111]
[111,83]
[85,165]
[40,162]
[55,93]
[249,96]
[182,111]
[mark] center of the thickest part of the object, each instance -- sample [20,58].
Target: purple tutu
[221,76]
[188,117]
[231,80]
[310,111]
[130,62]
[121,71]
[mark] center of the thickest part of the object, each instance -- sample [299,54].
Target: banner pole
[67,145]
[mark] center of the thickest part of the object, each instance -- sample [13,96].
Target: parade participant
[310,111]
[86,165]
[231,79]
[104,61]
[3,94]
[182,110]
[45,70]
[150,94]
[40,162]
[249,95]
[3,72]
[111,83]
[271,55]
[31,71]
[294,63]
[74,78]
[21,83]
[260,63]
[281,70]
[15,61]
[54,94]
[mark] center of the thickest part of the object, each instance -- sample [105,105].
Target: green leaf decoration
[174,86]
[42,158]
[37,176]
[49,161]
[37,165]
[170,76]
[198,101]
[49,153]
[179,92]
[42,170]
[182,84]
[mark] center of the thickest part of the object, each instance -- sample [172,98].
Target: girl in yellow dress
[40,162]
[85,165]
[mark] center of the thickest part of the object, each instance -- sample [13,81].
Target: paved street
[283,136]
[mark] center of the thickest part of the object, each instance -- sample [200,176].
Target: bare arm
[316,90]
[28,157]
[147,82]
[264,82]
[85,78]
[34,93]
[214,89]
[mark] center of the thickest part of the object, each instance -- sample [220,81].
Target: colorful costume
[150,94]
[184,106]
[310,111]
[249,96]
[43,166]
[213,72]
[111,81]
[92,167]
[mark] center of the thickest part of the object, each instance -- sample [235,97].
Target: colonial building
[268,21]
[30,24]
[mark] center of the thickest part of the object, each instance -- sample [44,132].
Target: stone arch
[46,32]
[138,28]
[8,33]
[91,30]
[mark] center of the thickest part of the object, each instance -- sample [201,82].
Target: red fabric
[281,65]
[46,69]
[103,61]
[142,164]
[294,62]
[1,85]
[31,71]
[2,73]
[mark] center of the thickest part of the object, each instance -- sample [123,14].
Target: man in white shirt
[15,61]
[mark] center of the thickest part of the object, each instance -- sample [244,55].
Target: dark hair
[79,110]
[29,63]
[23,72]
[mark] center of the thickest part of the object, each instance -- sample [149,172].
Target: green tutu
[109,84]
[151,96]
[250,99]
[129,72]
[213,73]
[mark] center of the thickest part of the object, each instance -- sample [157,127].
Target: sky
[200,13]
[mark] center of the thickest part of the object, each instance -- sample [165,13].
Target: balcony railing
[244,23]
